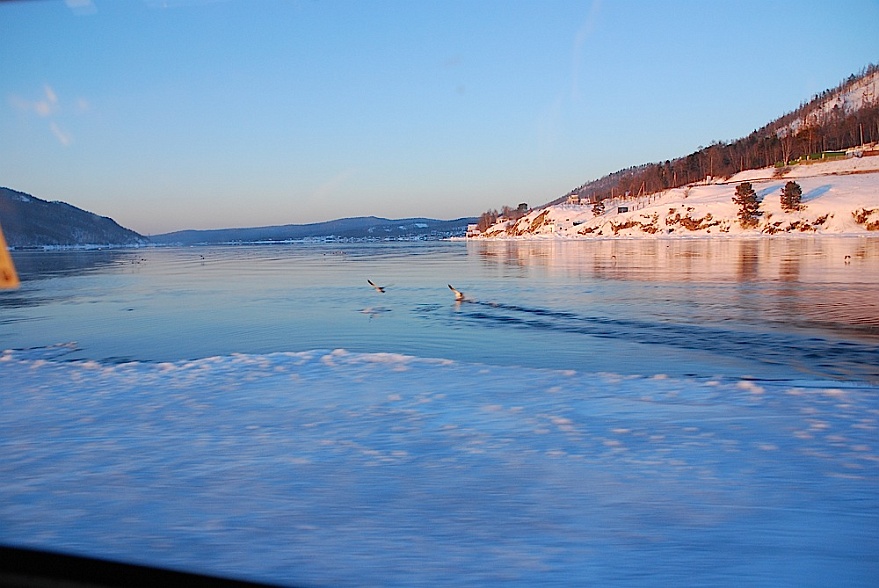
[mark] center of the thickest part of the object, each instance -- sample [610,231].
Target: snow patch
[839,197]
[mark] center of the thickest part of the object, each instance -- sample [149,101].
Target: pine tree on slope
[791,197]
[749,205]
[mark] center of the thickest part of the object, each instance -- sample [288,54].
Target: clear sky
[175,114]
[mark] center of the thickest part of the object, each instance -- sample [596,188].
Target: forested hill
[28,221]
[358,228]
[836,119]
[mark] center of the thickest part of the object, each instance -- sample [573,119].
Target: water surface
[617,413]
[766,308]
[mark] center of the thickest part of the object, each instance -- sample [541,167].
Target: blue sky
[167,115]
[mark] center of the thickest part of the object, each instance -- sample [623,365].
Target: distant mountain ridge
[357,228]
[28,221]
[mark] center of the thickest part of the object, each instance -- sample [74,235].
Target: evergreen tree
[598,208]
[749,205]
[791,196]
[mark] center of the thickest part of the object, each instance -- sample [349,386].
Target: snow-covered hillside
[860,94]
[839,197]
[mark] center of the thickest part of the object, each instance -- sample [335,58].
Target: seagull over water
[379,289]
[459,296]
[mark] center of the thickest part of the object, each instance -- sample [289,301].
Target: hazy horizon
[196,114]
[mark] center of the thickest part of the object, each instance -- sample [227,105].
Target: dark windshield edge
[33,568]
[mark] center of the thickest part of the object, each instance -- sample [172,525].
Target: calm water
[712,421]
[768,309]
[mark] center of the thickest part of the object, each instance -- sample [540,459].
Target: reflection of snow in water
[768,308]
[338,468]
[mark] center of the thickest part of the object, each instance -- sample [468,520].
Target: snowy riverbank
[839,197]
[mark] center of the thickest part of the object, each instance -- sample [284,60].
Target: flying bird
[379,289]
[459,296]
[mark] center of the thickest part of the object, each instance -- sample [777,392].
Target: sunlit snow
[833,193]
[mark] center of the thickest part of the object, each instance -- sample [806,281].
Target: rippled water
[765,308]
[711,419]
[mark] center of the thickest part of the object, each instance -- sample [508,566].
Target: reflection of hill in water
[41,265]
[821,282]
[38,265]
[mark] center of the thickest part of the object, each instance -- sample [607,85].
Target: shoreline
[839,198]
[670,237]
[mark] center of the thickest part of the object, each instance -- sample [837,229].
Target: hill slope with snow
[839,197]
[851,96]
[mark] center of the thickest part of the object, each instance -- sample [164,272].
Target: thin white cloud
[583,34]
[63,137]
[44,107]
[162,4]
[81,7]
[47,107]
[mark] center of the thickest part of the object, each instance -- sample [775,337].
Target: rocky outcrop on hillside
[839,197]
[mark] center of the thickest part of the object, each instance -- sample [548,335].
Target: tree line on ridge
[796,135]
